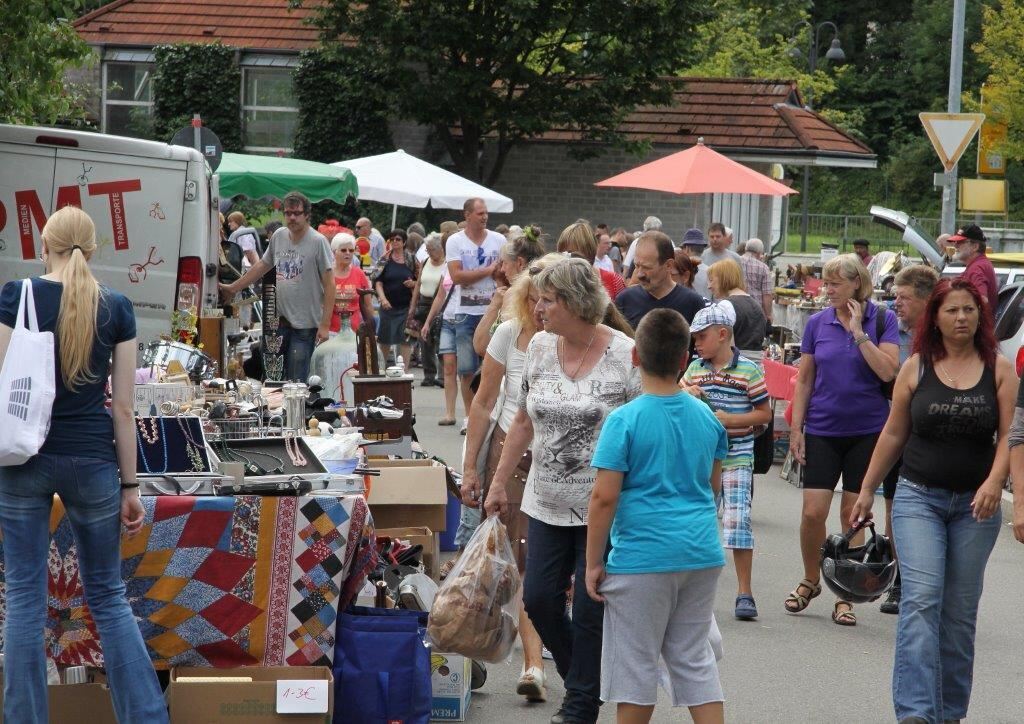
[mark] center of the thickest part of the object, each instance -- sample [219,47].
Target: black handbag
[764,450]
[435,325]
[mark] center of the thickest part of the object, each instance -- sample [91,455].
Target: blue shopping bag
[381,667]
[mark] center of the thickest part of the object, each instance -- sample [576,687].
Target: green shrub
[198,78]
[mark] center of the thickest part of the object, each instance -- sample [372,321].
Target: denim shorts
[457,339]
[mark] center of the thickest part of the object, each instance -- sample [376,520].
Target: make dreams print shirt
[567,417]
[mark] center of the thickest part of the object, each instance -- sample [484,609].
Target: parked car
[1009,328]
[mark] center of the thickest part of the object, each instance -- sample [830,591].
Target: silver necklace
[585,353]
[961,373]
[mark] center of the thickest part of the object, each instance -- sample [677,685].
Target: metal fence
[843,229]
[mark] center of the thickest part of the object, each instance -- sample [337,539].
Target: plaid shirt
[757,276]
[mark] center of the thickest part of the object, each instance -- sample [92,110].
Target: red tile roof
[268,25]
[734,114]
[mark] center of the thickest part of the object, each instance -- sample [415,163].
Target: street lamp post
[834,53]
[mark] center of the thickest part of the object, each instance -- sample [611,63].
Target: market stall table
[221,581]
[793,316]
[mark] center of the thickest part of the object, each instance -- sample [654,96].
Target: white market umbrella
[399,179]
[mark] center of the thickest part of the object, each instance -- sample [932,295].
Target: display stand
[366,388]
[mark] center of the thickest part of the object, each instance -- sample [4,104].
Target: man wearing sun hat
[970,250]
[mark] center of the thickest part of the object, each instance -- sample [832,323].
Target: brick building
[761,123]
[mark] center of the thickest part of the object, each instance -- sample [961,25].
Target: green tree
[343,104]
[509,71]
[37,44]
[197,78]
[750,39]
[1002,48]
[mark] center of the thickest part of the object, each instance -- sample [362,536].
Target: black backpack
[230,261]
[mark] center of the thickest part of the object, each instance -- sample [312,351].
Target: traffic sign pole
[956,64]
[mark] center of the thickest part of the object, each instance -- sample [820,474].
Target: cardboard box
[450,676]
[420,536]
[241,702]
[76,702]
[409,493]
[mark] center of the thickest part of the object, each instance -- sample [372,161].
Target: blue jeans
[943,552]
[297,347]
[91,493]
[467,358]
[554,554]
[469,521]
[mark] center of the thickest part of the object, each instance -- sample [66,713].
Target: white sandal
[531,684]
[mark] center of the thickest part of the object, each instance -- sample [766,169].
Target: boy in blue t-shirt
[659,460]
[734,386]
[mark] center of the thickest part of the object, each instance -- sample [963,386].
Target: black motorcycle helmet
[861,574]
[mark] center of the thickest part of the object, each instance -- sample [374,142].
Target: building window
[269,115]
[128,99]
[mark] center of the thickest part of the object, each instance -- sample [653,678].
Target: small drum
[197,364]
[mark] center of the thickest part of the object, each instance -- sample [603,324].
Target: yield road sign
[950,133]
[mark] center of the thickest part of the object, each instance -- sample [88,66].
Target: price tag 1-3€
[302,696]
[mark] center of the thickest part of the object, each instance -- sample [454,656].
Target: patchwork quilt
[221,581]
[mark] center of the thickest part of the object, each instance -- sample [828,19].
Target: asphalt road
[782,667]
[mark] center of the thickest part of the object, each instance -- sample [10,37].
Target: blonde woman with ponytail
[88,459]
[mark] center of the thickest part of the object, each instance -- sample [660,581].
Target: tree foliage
[751,39]
[512,70]
[344,105]
[37,45]
[1002,48]
[197,78]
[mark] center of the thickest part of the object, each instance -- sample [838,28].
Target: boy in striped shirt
[734,387]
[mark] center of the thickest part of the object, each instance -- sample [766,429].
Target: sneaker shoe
[427,382]
[531,684]
[746,609]
[892,603]
[545,654]
[465,424]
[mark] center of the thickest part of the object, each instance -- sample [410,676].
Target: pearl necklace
[296,456]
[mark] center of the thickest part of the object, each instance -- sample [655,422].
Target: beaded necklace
[151,441]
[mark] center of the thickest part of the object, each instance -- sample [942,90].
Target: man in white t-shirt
[651,223]
[603,260]
[473,257]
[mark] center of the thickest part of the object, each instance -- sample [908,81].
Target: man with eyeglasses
[364,227]
[305,285]
[472,255]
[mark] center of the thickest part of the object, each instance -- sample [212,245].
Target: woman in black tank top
[951,414]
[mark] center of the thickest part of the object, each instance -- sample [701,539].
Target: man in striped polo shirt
[734,387]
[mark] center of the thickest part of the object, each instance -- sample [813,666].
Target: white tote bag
[27,385]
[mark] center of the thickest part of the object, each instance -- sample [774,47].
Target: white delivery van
[154,206]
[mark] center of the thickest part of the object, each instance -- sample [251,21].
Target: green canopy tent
[259,176]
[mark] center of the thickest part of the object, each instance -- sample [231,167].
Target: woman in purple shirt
[839,409]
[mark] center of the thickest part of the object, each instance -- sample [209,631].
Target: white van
[154,206]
